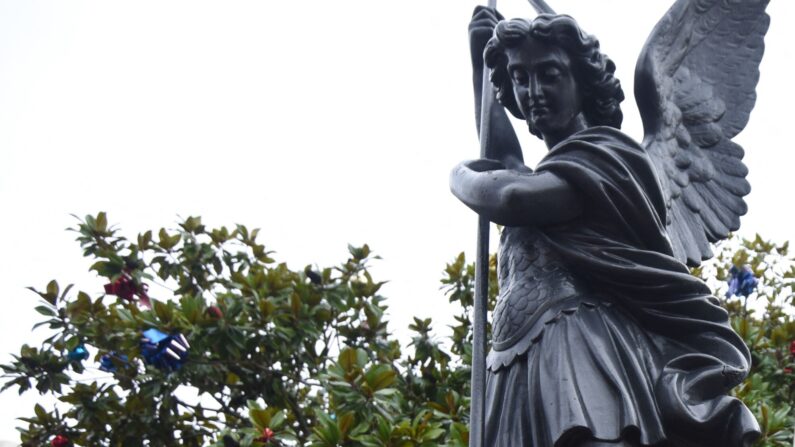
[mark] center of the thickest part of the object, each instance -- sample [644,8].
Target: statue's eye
[551,73]
[519,77]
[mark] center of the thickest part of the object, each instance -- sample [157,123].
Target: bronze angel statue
[600,336]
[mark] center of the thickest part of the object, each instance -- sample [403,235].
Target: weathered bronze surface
[600,335]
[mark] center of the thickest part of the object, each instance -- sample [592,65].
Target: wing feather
[694,244]
[734,203]
[716,216]
[695,84]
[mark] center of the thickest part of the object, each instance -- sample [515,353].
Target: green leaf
[260,418]
[162,310]
[72,343]
[47,311]
[125,315]
[108,269]
[352,359]
[144,240]
[277,420]
[66,291]
[380,376]
[295,303]
[101,222]
[387,392]
[41,413]
[167,242]
[345,423]
[192,224]
[432,434]
[52,288]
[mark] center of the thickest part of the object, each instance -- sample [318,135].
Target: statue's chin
[547,123]
[542,124]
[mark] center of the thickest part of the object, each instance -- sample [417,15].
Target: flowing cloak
[619,247]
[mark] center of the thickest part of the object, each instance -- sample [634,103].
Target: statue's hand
[481,28]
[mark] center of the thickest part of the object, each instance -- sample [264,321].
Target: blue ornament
[106,361]
[78,354]
[168,352]
[742,282]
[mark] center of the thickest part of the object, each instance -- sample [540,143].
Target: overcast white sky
[323,123]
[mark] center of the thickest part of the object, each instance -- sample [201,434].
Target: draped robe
[642,351]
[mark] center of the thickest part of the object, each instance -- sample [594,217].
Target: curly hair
[593,70]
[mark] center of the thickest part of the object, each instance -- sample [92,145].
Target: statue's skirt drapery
[643,351]
[586,369]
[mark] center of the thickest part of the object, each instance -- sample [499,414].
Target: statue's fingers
[480,28]
[483,11]
[482,24]
[479,9]
[484,21]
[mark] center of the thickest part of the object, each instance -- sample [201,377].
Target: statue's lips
[539,110]
[538,113]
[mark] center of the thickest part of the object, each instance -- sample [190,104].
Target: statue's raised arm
[695,84]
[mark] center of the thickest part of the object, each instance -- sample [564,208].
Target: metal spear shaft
[477,403]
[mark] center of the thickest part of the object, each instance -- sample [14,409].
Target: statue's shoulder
[599,139]
[607,135]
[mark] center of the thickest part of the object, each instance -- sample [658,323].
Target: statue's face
[545,88]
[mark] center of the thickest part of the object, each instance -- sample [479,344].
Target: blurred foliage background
[282,357]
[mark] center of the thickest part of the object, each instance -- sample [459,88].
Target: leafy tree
[282,357]
[766,321]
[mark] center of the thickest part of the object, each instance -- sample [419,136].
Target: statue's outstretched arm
[503,145]
[512,198]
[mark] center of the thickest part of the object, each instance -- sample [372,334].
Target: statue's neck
[576,125]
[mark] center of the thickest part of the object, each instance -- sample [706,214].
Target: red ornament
[60,441]
[787,370]
[215,312]
[792,347]
[267,435]
[125,288]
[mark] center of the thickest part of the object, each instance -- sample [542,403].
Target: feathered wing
[695,84]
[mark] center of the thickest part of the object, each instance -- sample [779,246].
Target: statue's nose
[534,89]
